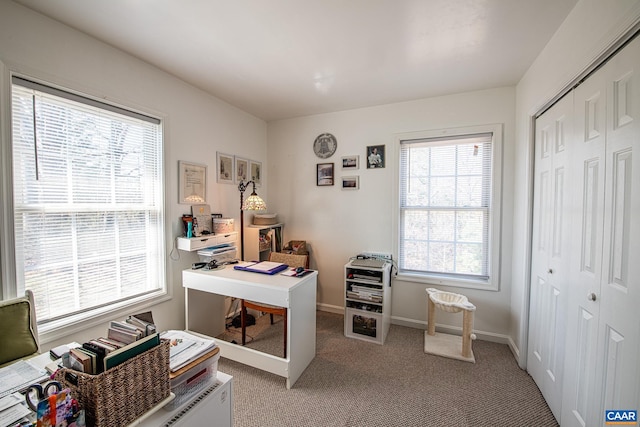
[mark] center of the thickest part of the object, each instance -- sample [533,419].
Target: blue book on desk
[264,267]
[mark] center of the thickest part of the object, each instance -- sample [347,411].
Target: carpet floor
[355,383]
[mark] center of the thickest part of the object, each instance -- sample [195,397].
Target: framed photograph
[350,162]
[350,183]
[192,183]
[255,172]
[375,156]
[324,174]
[242,170]
[225,168]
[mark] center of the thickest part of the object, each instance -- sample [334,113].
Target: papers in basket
[186,347]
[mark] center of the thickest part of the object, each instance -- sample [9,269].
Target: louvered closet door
[550,244]
[603,346]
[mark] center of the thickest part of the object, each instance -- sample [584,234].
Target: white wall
[339,223]
[587,32]
[196,126]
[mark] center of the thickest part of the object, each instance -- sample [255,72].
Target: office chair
[18,329]
[293,261]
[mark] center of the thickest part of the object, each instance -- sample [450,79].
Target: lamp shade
[254,203]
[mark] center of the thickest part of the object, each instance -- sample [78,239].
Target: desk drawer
[226,238]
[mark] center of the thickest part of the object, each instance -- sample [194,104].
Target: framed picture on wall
[375,156]
[192,183]
[225,168]
[255,172]
[242,170]
[350,183]
[324,174]
[350,162]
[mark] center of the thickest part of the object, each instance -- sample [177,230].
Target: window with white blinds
[88,201]
[446,206]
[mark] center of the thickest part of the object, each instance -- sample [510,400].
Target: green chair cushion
[16,337]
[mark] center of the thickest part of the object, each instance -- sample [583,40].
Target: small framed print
[350,162]
[255,172]
[324,174]
[375,156]
[225,168]
[350,183]
[192,183]
[242,170]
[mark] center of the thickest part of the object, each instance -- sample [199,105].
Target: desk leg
[301,330]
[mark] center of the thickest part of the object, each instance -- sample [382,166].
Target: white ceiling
[287,58]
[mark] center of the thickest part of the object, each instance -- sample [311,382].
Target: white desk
[205,315]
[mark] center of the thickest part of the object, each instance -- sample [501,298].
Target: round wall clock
[325,145]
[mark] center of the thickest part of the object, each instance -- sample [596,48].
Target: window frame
[495,225]
[75,323]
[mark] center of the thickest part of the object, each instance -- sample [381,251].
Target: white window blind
[445,206]
[88,197]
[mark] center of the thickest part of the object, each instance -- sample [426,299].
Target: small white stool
[448,345]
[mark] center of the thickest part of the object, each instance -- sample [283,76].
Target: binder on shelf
[125,353]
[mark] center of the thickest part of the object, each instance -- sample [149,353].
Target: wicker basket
[125,392]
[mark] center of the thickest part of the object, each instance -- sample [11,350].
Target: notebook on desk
[264,267]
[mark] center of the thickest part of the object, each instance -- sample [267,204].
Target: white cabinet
[367,302]
[261,240]
[206,241]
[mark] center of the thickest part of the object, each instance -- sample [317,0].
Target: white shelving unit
[196,243]
[367,293]
[261,240]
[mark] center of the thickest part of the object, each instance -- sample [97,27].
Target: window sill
[483,285]
[73,324]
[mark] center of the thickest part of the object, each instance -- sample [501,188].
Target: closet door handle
[591,296]
[550,271]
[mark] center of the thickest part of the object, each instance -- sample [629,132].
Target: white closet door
[586,250]
[601,368]
[551,240]
[617,372]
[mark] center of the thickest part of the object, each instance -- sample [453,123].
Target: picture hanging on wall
[350,183]
[350,162]
[242,170]
[375,156]
[225,168]
[256,172]
[192,183]
[324,174]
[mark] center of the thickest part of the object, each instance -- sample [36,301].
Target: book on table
[129,351]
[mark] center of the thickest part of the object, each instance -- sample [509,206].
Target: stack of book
[124,340]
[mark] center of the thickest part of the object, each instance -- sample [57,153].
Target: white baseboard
[455,330]
[422,324]
[337,309]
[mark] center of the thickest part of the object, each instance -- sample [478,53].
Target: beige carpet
[355,383]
